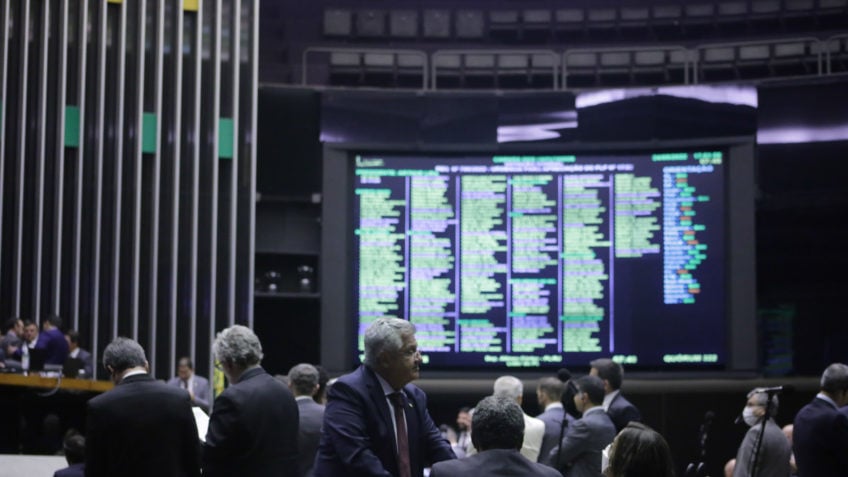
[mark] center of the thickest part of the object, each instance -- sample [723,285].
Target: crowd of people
[375,422]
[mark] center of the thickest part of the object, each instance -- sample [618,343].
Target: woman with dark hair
[639,451]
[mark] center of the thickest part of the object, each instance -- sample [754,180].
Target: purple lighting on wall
[802,134]
[538,131]
[738,95]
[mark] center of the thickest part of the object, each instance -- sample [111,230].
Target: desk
[38,381]
[41,409]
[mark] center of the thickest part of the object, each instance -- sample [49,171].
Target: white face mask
[749,417]
[605,458]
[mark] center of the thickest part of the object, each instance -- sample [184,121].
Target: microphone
[567,398]
[788,389]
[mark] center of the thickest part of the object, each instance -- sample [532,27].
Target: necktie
[402,438]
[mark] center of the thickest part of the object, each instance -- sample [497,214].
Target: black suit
[494,462]
[253,429]
[820,439]
[621,411]
[358,437]
[142,427]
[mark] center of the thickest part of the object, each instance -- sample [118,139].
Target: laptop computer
[37,357]
[72,367]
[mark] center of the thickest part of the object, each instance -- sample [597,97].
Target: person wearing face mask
[774,452]
[579,453]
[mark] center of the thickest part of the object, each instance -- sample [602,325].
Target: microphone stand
[697,468]
[752,468]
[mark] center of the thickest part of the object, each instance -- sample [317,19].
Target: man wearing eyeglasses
[254,423]
[376,423]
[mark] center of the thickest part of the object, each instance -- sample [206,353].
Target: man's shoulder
[597,420]
[621,403]
[533,422]
[309,405]
[142,386]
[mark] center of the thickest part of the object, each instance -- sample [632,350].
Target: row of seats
[539,24]
[575,67]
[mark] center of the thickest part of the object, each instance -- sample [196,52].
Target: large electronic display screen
[545,260]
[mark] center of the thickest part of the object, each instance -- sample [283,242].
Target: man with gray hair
[254,423]
[534,429]
[303,382]
[773,453]
[376,423]
[141,427]
[820,435]
[498,424]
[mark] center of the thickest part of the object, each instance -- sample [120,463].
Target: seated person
[498,433]
[76,352]
[74,446]
[197,386]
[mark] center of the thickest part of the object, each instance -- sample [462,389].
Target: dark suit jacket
[73,470]
[309,434]
[87,363]
[56,345]
[358,438]
[820,440]
[580,451]
[253,429]
[494,462]
[622,411]
[142,427]
[553,424]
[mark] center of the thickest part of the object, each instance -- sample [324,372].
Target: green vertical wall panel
[225,138]
[148,133]
[72,126]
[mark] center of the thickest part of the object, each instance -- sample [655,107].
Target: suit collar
[135,378]
[826,399]
[251,373]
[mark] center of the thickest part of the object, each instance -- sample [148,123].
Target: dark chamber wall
[801,201]
[800,193]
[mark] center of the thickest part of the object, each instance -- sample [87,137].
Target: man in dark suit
[76,352]
[74,447]
[820,435]
[142,427]
[549,393]
[303,382]
[498,424]
[376,423]
[619,409]
[579,453]
[253,427]
[196,386]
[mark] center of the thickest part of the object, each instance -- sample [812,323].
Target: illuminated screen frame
[339,316]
